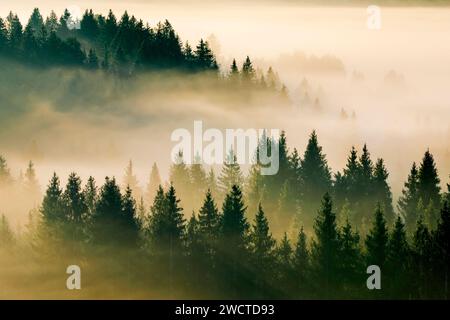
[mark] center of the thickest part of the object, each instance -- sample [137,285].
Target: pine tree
[408,201]
[325,247]
[377,240]
[428,184]
[315,178]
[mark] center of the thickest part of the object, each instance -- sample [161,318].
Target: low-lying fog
[394,80]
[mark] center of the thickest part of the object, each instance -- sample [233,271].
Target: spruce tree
[408,201]
[167,222]
[382,191]
[153,184]
[422,257]
[231,174]
[106,221]
[315,178]
[180,178]
[350,255]
[428,184]
[377,240]
[129,232]
[234,225]
[262,243]
[74,201]
[301,263]
[325,247]
[90,196]
[130,180]
[208,219]
[284,267]
[198,180]
[398,256]
[52,205]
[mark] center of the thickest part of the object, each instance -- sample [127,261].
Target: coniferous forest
[312,236]
[203,232]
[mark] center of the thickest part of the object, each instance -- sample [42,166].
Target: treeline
[231,252]
[124,46]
